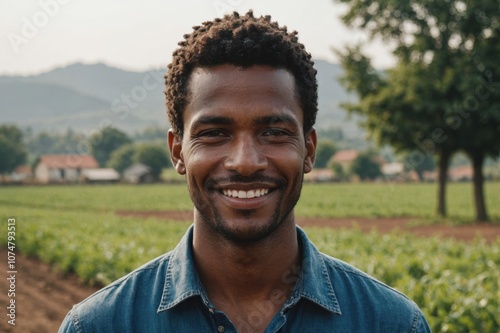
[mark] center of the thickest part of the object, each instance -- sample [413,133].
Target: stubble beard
[212,217]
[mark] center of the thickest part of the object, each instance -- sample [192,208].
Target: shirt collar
[315,283]
[182,280]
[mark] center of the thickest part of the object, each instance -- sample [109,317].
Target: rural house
[344,158]
[138,173]
[103,175]
[64,168]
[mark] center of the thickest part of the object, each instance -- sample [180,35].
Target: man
[242,100]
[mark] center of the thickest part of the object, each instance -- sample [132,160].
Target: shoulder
[360,293]
[120,298]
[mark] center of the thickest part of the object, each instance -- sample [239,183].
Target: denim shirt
[166,295]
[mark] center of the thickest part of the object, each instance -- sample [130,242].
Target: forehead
[243,91]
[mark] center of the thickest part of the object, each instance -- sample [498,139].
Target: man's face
[243,150]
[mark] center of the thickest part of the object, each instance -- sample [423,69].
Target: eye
[276,132]
[212,133]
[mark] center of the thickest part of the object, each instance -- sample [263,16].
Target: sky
[39,35]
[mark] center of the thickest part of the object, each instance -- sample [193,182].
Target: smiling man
[242,100]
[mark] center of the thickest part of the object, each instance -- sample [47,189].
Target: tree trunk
[444,158]
[478,183]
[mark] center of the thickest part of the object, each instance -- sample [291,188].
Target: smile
[246,194]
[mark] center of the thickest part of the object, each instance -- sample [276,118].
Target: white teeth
[246,194]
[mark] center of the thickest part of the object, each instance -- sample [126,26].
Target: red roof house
[63,168]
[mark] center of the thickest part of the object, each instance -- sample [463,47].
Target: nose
[245,156]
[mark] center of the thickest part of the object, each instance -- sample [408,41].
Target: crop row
[456,284]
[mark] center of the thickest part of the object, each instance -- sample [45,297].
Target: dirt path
[385,225]
[43,297]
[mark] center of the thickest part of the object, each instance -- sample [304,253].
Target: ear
[311,141]
[175,147]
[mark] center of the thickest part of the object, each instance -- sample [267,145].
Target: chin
[244,231]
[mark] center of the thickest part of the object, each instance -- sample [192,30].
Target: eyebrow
[263,120]
[212,120]
[278,119]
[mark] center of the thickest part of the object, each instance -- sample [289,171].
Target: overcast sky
[38,35]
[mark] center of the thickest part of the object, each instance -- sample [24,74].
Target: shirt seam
[337,264]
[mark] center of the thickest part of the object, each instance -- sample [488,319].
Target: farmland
[77,229]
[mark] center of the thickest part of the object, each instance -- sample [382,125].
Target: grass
[392,200]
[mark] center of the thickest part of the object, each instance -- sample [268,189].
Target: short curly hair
[242,41]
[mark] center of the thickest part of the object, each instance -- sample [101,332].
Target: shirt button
[211,310]
[220,329]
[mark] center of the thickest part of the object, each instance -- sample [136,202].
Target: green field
[457,285]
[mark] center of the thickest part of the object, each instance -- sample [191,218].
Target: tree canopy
[12,149]
[103,143]
[122,157]
[153,155]
[324,151]
[366,167]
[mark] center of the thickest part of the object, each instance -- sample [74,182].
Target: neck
[235,273]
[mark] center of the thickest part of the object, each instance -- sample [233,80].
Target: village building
[21,174]
[344,158]
[137,173]
[64,168]
[319,175]
[103,175]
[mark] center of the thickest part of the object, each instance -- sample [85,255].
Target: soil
[44,296]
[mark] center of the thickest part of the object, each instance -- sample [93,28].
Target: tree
[338,171]
[366,167]
[324,151]
[440,97]
[12,150]
[103,143]
[153,155]
[122,157]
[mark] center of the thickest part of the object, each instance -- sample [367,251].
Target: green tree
[122,157]
[103,143]
[366,167]
[153,155]
[12,149]
[338,171]
[440,97]
[324,151]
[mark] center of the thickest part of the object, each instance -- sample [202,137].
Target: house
[64,168]
[395,171]
[392,169]
[319,175]
[103,175]
[460,173]
[344,158]
[137,173]
[21,174]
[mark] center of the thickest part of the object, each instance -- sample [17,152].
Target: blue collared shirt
[166,295]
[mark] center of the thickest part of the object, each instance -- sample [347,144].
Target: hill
[83,97]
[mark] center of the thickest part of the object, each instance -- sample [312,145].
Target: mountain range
[85,97]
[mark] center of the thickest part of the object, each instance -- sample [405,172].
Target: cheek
[200,162]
